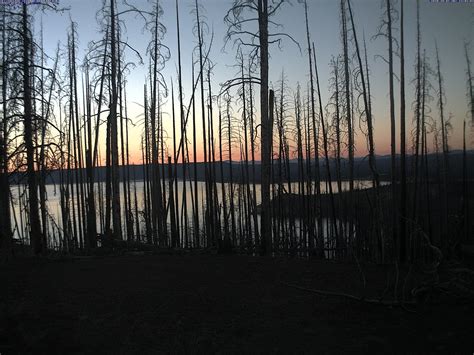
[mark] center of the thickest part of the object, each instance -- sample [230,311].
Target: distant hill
[361,169]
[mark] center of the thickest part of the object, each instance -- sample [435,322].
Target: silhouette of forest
[253,221]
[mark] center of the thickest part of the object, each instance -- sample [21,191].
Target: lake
[19,194]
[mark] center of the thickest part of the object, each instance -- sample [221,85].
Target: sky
[450,24]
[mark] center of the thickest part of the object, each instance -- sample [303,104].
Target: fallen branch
[352,297]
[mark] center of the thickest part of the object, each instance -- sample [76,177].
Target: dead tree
[5,215]
[91,204]
[470,97]
[112,119]
[36,237]
[403,173]
[261,12]
[347,94]
[159,55]
[417,118]
[315,128]
[444,145]
[386,30]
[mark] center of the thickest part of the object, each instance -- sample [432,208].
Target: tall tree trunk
[5,221]
[149,231]
[196,192]
[248,197]
[347,94]
[208,196]
[175,171]
[213,197]
[316,142]
[465,189]
[403,174]
[91,209]
[444,140]
[159,224]
[36,238]
[393,171]
[183,128]
[116,215]
[226,238]
[266,129]
[326,148]
[254,175]
[417,117]
[231,177]
[364,77]
[470,83]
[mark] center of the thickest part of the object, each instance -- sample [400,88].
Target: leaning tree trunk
[326,149]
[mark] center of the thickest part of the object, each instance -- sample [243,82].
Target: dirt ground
[212,304]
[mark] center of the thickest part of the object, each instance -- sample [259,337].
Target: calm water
[19,193]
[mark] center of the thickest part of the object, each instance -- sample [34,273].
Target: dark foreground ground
[212,304]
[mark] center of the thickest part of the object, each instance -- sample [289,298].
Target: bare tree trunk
[231,177]
[174,229]
[126,197]
[5,221]
[159,223]
[470,83]
[175,171]
[91,207]
[365,80]
[149,230]
[208,195]
[417,117]
[196,192]
[226,238]
[337,126]
[299,148]
[444,139]
[403,174]
[423,162]
[213,197]
[42,151]
[252,152]
[247,199]
[317,180]
[135,200]
[266,129]
[347,82]
[127,170]
[465,190]
[36,237]
[393,171]
[326,149]
[183,128]
[465,167]
[116,215]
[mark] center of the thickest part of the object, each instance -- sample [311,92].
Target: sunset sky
[449,23]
